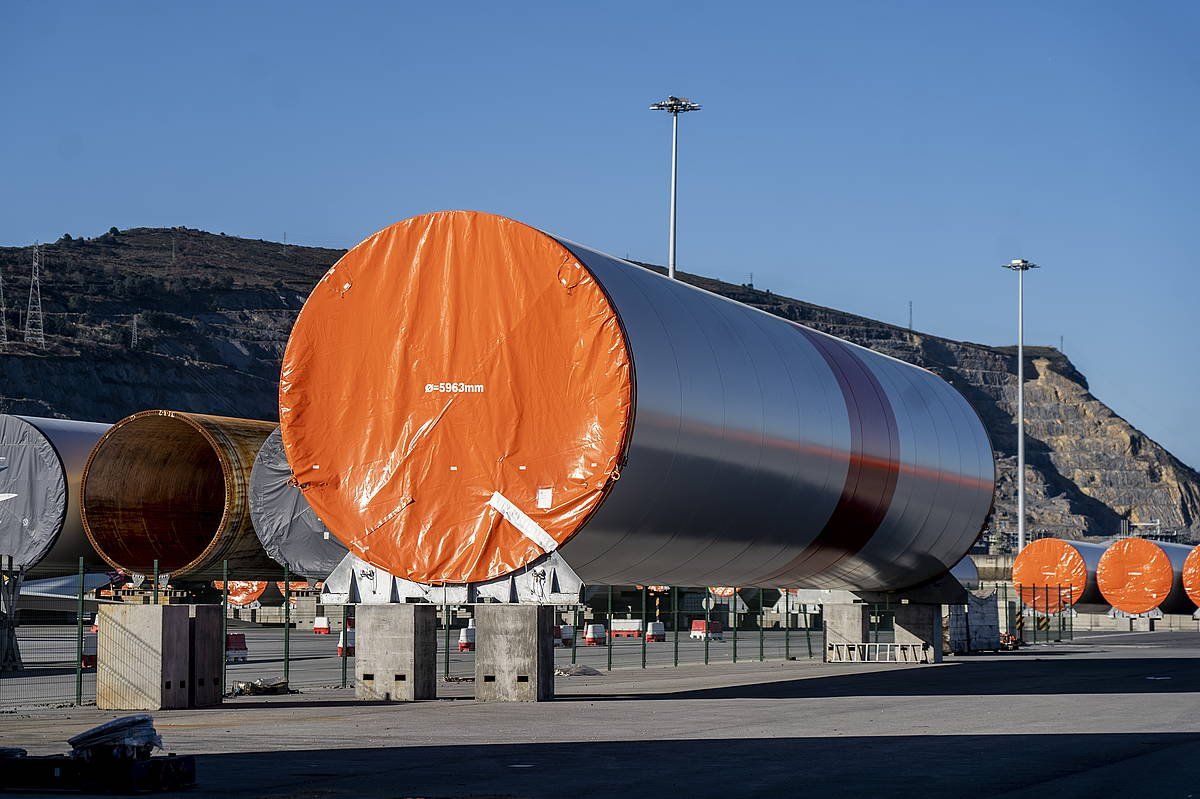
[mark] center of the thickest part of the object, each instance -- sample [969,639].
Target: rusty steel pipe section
[175,487]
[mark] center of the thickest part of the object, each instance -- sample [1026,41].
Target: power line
[34,332]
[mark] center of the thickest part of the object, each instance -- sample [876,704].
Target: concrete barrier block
[207,653]
[514,653]
[395,652]
[142,654]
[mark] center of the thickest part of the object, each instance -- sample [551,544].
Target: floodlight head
[1020,265]
[675,105]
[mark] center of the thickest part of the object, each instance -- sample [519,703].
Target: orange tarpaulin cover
[242,592]
[1135,575]
[455,397]
[1049,574]
[1191,575]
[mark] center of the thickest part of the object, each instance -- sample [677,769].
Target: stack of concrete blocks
[514,653]
[395,652]
[974,627]
[144,656]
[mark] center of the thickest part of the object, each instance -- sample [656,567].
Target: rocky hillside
[213,314]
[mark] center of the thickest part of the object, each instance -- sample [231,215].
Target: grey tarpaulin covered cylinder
[41,464]
[287,527]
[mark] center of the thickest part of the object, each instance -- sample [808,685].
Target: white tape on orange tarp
[520,520]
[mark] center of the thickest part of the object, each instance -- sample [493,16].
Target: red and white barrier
[627,628]
[236,650]
[466,639]
[321,626]
[88,661]
[714,631]
[656,631]
[346,643]
[594,635]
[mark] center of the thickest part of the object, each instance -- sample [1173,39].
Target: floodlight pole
[674,106]
[1020,266]
[674,191]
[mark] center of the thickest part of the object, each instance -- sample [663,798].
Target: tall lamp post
[1020,266]
[674,106]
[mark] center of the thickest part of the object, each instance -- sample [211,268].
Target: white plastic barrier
[466,639]
[594,635]
[627,628]
[656,631]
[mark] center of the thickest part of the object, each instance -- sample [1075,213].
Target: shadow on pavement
[1016,677]
[1144,764]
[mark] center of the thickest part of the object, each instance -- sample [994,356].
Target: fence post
[808,630]
[345,635]
[287,621]
[79,641]
[675,619]
[761,631]
[446,627]
[645,626]
[733,621]
[224,622]
[707,621]
[154,588]
[575,638]
[787,626]
[608,638]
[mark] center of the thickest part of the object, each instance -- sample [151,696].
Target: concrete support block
[919,623]
[514,653]
[207,655]
[395,650]
[846,623]
[142,657]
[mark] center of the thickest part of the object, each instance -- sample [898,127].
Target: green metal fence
[639,627]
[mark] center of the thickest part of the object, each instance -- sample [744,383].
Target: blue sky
[857,155]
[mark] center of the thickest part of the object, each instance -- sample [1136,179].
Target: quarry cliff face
[213,314]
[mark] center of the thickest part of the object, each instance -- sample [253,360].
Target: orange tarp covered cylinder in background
[1051,574]
[242,592]
[500,376]
[1137,575]
[1191,575]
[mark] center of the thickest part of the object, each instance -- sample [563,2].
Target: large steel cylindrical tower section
[1137,575]
[41,467]
[462,394]
[174,487]
[1051,574]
